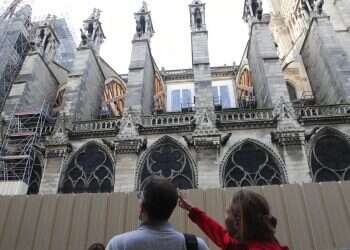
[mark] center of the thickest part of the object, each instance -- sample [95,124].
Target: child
[249,224]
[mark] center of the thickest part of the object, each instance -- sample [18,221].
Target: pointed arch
[89,170]
[170,159]
[251,163]
[329,155]
[36,173]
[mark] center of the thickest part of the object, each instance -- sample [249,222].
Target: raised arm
[216,232]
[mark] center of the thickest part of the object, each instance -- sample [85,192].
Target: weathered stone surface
[84,89]
[268,80]
[139,93]
[326,63]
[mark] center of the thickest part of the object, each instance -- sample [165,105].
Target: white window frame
[229,83]
[178,86]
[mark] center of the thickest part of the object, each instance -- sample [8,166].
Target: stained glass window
[89,171]
[168,159]
[249,164]
[330,158]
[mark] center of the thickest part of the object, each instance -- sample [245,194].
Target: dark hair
[159,199]
[256,221]
[97,246]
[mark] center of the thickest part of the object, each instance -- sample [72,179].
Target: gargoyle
[308,135]
[188,140]
[225,139]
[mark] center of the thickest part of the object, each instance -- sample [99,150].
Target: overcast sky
[171,45]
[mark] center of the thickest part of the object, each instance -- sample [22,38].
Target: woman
[249,224]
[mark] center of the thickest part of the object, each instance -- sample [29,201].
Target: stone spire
[92,35]
[144,25]
[200,58]
[139,93]
[45,39]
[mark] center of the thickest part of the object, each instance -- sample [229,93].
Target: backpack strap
[191,242]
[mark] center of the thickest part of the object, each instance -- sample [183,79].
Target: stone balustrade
[96,125]
[329,113]
[241,115]
[169,119]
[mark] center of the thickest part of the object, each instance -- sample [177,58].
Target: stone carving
[319,6]
[198,17]
[285,114]
[45,41]
[225,139]
[92,34]
[289,131]
[128,128]
[253,10]
[128,139]
[144,26]
[58,144]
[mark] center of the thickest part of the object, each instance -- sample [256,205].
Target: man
[157,203]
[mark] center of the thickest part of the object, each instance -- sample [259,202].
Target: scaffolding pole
[18,155]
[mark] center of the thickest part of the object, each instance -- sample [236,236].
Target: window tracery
[249,164]
[89,171]
[330,157]
[167,158]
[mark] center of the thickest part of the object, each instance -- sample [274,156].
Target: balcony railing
[169,119]
[96,125]
[241,115]
[325,112]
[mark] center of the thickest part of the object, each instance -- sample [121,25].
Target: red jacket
[221,237]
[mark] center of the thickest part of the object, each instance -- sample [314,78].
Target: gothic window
[250,164]
[246,95]
[89,171]
[330,157]
[292,92]
[168,158]
[113,96]
[36,175]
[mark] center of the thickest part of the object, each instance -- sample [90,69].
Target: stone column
[139,93]
[267,74]
[52,171]
[84,89]
[57,151]
[290,138]
[125,172]
[200,57]
[206,138]
[326,63]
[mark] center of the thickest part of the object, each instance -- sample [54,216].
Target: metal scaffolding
[13,50]
[19,159]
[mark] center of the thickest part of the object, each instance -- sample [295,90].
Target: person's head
[158,200]
[97,246]
[248,217]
